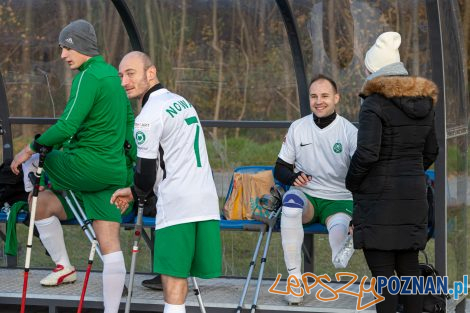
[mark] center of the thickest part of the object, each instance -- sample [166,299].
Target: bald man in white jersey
[168,131]
[314,160]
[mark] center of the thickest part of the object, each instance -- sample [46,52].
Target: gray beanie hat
[79,36]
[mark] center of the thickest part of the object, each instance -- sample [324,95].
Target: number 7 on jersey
[189,121]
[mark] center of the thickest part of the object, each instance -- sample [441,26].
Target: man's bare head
[138,74]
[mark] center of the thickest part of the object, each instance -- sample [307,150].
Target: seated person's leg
[65,172]
[296,208]
[338,227]
[114,268]
[49,212]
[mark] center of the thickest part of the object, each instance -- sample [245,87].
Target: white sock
[338,225]
[52,237]
[292,235]
[174,308]
[114,275]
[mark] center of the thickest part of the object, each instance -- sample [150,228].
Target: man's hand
[302,179]
[121,198]
[21,157]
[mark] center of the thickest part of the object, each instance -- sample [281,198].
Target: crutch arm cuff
[37,147]
[134,193]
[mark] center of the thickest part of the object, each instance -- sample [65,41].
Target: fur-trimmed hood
[413,95]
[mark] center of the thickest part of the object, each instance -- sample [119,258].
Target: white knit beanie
[383,52]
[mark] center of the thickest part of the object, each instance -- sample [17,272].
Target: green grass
[226,154]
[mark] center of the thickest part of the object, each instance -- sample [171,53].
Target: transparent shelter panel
[335,36]
[23,134]
[456,110]
[37,81]
[230,59]
[457,190]
[454,71]
[3,227]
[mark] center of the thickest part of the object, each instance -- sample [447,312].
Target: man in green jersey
[96,122]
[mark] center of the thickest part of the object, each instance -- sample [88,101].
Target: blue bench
[228,225]
[241,224]
[252,225]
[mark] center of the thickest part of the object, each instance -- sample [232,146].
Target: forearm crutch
[271,203]
[135,250]
[86,226]
[262,229]
[197,293]
[82,219]
[29,245]
[271,223]
[87,275]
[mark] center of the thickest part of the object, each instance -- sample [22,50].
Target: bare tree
[220,62]
[179,51]
[415,38]
[64,20]
[150,27]
[26,97]
[246,57]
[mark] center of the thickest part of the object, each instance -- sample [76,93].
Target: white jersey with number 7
[168,129]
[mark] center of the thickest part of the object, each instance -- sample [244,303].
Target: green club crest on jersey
[338,147]
[140,137]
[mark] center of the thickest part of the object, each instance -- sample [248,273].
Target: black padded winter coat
[396,143]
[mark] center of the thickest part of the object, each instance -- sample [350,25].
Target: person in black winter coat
[396,143]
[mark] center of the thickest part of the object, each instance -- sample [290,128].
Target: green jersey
[96,121]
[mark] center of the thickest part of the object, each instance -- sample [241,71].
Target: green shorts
[95,205]
[190,249]
[324,208]
[65,174]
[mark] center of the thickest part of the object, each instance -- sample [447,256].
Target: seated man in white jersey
[168,131]
[314,160]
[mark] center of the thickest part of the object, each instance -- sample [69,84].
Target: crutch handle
[266,220]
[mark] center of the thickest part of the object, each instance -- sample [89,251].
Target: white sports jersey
[168,129]
[324,154]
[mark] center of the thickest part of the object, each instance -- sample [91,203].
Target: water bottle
[342,257]
[6,209]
